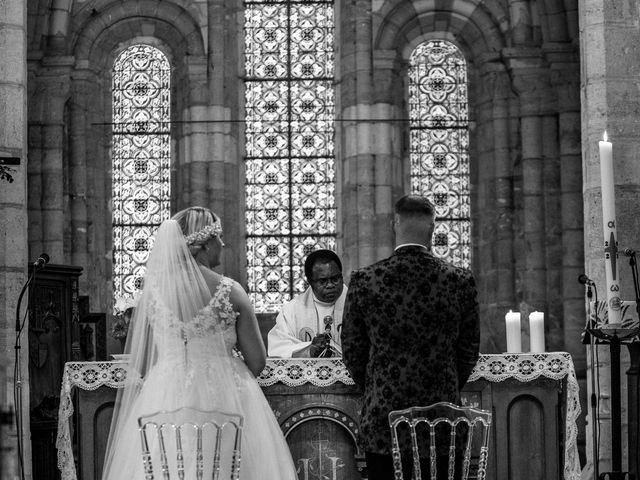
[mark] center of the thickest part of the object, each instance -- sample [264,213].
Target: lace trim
[325,372]
[321,372]
[527,367]
[87,376]
[221,302]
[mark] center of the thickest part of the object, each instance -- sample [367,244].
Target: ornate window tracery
[141,155]
[290,167]
[439,144]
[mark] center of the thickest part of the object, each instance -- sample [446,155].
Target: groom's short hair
[414,205]
[322,256]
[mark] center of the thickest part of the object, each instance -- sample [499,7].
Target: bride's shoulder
[213,279]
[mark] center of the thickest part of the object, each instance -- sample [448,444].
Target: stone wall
[13,232]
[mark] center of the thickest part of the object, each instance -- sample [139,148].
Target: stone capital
[560,53]
[522,57]
[58,61]
[386,60]
[529,79]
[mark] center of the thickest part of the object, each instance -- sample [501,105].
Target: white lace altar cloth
[325,372]
[87,376]
[294,372]
[526,367]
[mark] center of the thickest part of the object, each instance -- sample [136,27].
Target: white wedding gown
[192,373]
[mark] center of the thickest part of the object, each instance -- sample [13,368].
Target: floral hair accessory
[203,235]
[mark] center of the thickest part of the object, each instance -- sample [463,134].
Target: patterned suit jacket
[410,336]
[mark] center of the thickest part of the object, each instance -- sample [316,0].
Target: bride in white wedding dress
[194,342]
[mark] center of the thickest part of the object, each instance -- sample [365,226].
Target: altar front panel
[320,425]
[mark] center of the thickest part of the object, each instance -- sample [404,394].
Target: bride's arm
[249,339]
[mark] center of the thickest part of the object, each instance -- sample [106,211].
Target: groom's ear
[430,228]
[395,222]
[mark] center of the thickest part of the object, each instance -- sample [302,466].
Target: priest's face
[326,281]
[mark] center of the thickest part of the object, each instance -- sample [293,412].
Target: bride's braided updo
[198,226]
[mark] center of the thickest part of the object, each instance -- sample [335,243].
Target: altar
[534,399]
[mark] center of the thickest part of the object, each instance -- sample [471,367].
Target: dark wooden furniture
[53,341]
[317,406]
[527,434]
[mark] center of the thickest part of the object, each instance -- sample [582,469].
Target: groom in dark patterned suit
[410,332]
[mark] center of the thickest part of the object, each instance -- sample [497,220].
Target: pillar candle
[614,302]
[512,321]
[536,332]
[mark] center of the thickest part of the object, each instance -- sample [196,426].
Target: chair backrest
[190,442]
[472,423]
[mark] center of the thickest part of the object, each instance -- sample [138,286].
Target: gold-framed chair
[469,422]
[190,442]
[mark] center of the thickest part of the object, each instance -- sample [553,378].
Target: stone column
[609,61]
[358,168]
[531,85]
[13,239]
[80,132]
[483,203]
[197,148]
[386,145]
[495,207]
[226,184]
[520,21]
[55,81]
[565,79]
[554,332]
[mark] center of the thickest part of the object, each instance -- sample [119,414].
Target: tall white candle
[536,332]
[512,322]
[614,302]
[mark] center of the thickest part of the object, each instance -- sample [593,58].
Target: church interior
[300,123]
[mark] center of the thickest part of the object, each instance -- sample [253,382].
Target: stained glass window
[439,144]
[290,167]
[140,160]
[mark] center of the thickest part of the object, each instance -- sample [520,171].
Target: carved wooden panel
[527,433]
[53,341]
[95,409]
[321,428]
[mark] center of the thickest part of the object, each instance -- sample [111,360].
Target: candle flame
[605,138]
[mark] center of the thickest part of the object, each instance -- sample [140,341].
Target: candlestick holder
[613,335]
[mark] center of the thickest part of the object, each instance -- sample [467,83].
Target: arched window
[290,167]
[140,160]
[439,144]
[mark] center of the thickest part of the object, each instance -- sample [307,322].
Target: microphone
[584,280]
[326,352]
[629,252]
[328,321]
[42,260]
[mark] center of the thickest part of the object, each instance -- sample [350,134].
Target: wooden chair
[443,416]
[190,442]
